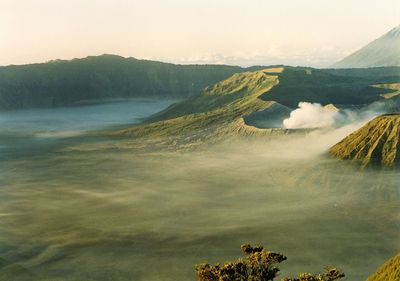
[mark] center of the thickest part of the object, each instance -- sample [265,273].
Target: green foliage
[259,265]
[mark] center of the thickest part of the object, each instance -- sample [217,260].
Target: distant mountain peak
[395,31]
[384,51]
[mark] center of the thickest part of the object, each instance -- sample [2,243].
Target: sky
[241,32]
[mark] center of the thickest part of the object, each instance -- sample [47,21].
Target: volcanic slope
[247,103]
[218,111]
[384,51]
[389,271]
[376,143]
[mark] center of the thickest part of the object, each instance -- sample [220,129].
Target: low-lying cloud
[314,115]
[311,115]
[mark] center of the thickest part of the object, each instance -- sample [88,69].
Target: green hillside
[230,92]
[376,143]
[293,85]
[252,103]
[60,83]
[217,112]
[389,271]
[106,77]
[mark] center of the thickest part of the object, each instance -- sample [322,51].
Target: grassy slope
[229,92]
[389,271]
[375,143]
[294,84]
[217,112]
[221,109]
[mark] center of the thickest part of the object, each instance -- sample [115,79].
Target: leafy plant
[259,265]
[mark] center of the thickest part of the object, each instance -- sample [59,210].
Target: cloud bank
[311,115]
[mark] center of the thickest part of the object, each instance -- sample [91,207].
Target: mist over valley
[114,168]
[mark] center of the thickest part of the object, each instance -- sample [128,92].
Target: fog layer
[124,215]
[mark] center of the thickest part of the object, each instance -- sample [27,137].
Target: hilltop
[389,271]
[376,143]
[384,51]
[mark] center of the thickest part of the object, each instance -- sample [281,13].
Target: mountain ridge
[107,77]
[69,82]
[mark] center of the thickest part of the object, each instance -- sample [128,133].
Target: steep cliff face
[376,143]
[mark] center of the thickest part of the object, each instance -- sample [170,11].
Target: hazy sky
[245,32]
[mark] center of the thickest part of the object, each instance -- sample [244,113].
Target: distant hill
[326,86]
[376,143]
[61,83]
[389,271]
[389,74]
[384,51]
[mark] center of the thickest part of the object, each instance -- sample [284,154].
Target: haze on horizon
[242,32]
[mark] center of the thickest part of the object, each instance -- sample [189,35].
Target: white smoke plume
[311,115]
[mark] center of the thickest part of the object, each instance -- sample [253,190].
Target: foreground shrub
[259,265]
